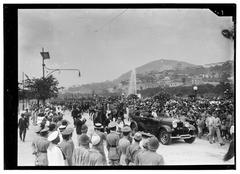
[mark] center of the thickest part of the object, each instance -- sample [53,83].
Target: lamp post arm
[54,70]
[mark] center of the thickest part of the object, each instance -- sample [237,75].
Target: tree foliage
[42,88]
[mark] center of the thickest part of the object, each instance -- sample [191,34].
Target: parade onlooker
[123,144]
[54,152]
[216,128]
[80,155]
[120,124]
[41,145]
[223,129]
[200,126]
[22,125]
[28,115]
[150,156]
[78,124]
[75,113]
[230,152]
[112,144]
[210,125]
[67,145]
[133,149]
[35,139]
[52,127]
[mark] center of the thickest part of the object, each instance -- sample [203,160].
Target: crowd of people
[53,144]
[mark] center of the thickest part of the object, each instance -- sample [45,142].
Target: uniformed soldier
[67,144]
[150,156]
[98,130]
[95,157]
[133,149]
[123,144]
[81,153]
[54,153]
[112,145]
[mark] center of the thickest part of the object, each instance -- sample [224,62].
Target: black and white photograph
[125,87]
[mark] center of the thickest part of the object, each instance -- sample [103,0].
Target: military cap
[138,136]
[112,124]
[84,139]
[52,126]
[153,143]
[84,128]
[95,140]
[68,130]
[62,126]
[126,129]
[64,122]
[44,129]
[98,126]
[53,136]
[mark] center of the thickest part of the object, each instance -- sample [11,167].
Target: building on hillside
[175,84]
[197,80]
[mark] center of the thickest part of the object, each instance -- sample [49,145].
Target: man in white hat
[54,152]
[102,135]
[95,157]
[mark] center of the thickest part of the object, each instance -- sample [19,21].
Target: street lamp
[45,55]
[195,88]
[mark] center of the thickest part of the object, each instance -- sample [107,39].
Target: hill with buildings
[164,73]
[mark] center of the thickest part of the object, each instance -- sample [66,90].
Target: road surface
[180,153]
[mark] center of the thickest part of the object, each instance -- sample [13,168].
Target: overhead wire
[111,21]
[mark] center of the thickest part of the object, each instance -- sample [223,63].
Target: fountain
[132,88]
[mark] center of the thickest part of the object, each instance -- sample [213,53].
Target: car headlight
[174,124]
[186,124]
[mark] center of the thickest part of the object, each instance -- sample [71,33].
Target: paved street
[179,153]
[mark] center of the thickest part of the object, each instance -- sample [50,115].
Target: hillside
[156,66]
[154,72]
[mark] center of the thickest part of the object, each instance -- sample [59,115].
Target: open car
[164,128]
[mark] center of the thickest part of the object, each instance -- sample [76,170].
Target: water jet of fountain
[132,88]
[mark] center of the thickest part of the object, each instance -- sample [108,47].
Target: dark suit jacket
[22,123]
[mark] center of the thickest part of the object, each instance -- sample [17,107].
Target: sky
[105,43]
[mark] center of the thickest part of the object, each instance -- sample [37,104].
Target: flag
[45,55]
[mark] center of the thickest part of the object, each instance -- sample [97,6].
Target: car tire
[165,137]
[190,140]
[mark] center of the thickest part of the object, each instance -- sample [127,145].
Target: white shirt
[232,129]
[119,126]
[55,156]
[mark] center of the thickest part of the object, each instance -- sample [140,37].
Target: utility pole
[23,89]
[43,65]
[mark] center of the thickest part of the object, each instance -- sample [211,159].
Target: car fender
[191,127]
[166,127]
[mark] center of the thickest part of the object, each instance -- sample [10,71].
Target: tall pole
[43,65]
[23,89]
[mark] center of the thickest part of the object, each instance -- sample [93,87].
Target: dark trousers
[22,134]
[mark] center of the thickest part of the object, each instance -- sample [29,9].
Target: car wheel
[164,137]
[190,140]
